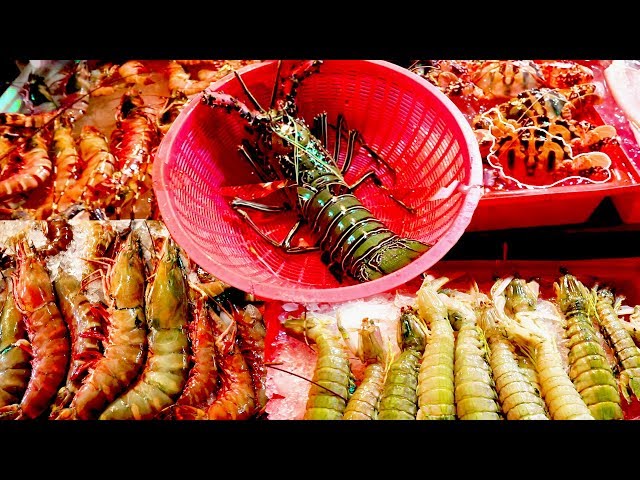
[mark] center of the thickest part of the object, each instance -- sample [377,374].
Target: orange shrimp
[27,120]
[124,348]
[180,80]
[134,72]
[67,163]
[83,319]
[252,331]
[166,367]
[15,359]
[92,186]
[46,330]
[35,169]
[203,375]
[133,143]
[235,400]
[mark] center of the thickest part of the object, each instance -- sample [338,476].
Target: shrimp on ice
[363,404]
[165,370]
[48,334]
[436,379]
[126,341]
[399,399]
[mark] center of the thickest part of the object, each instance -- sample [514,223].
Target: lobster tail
[388,258]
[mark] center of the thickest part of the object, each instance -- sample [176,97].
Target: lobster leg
[284,244]
[378,183]
[342,129]
[250,153]
[353,135]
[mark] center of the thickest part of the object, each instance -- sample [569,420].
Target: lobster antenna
[246,90]
[275,86]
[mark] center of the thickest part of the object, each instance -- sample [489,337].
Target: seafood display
[103,315]
[114,325]
[505,349]
[86,135]
[535,121]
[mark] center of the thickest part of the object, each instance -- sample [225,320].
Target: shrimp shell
[627,353]
[517,396]
[35,170]
[124,348]
[85,327]
[66,161]
[435,378]
[399,399]
[251,334]
[15,366]
[332,369]
[203,375]
[589,368]
[165,371]
[47,332]
[475,392]
[561,397]
[363,404]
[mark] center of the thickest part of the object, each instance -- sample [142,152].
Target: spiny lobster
[352,240]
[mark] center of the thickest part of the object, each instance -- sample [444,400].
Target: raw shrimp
[589,368]
[517,396]
[363,404]
[556,388]
[330,391]
[85,326]
[399,399]
[251,333]
[92,188]
[83,319]
[475,390]
[132,143]
[35,169]
[15,365]
[66,161]
[124,348]
[166,368]
[435,378]
[47,332]
[627,353]
[203,375]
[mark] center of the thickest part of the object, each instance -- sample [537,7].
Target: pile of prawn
[510,351]
[121,325]
[86,137]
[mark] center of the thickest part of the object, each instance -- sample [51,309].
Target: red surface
[572,204]
[622,274]
[407,120]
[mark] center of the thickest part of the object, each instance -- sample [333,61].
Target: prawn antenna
[275,86]
[273,365]
[249,94]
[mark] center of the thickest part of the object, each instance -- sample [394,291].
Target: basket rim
[174,223]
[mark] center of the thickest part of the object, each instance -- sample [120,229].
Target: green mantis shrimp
[627,353]
[475,391]
[399,400]
[517,395]
[435,378]
[363,403]
[589,368]
[563,400]
[331,382]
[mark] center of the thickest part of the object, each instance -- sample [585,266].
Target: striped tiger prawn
[352,240]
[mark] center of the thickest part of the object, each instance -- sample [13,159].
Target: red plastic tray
[562,205]
[623,274]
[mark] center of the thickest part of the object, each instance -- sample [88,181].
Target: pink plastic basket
[418,131]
